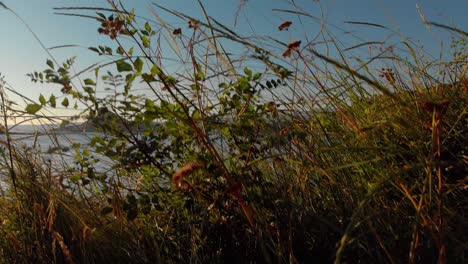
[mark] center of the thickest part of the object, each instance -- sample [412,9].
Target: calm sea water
[56,149]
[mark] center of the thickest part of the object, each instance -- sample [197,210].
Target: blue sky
[20,53]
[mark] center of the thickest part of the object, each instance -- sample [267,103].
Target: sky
[21,53]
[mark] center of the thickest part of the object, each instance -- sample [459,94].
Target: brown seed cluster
[112,27]
[292,46]
[177,31]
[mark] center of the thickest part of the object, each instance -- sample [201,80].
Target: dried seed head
[285,25]
[112,27]
[287,53]
[294,45]
[177,31]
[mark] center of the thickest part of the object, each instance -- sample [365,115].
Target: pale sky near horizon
[20,53]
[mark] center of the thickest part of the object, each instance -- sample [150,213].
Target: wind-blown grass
[296,152]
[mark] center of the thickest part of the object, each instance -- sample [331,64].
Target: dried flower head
[112,27]
[285,25]
[294,45]
[177,31]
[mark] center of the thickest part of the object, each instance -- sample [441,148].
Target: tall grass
[287,151]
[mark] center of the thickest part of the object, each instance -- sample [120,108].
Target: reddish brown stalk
[440,229]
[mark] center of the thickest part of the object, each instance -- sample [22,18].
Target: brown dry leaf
[178,179]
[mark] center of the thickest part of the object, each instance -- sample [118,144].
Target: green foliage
[52,101]
[123,66]
[42,100]
[65,102]
[33,108]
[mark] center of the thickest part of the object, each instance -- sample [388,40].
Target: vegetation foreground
[266,150]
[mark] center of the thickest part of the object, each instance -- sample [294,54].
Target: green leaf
[123,66]
[88,90]
[130,78]
[89,82]
[108,50]
[33,108]
[196,115]
[248,72]
[120,50]
[169,80]
[42,100]
[138,65]
[52,101]
[75,178]
[145,41]
[95,140]
[147,27]
[149,104]
[94,49]
[155,70]
[257,76]
[50,63]
[101,15]
[86,152]
[65,102]
[225,132]
[147,77]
